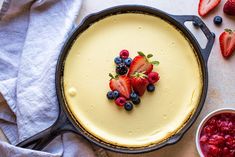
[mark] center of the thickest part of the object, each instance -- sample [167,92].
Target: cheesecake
[161,114]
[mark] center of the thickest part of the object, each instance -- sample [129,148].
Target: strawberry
[229,7]
[141,64]
[227,43]
[122,84]
[139,83]
[206,6]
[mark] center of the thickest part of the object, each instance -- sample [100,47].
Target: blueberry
[150,88]
[118,60]
[128,106]
[218,20]
[136,101]
[128,61]
[115,94]
[110,95]
[121,69]
[134,96]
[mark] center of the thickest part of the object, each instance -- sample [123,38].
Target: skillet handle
[209,35]
[43,138]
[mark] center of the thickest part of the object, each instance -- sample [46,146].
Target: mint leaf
[149,55]
[156,63]
[141,53]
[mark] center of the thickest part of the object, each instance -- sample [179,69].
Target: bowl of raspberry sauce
[215,135]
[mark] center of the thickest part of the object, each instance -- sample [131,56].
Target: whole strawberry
[139,83]
[229,7]
[227,43]
[142,64]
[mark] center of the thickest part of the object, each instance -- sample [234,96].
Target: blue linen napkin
[32,33]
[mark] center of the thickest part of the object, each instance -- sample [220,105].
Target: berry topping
[128,106]
[205,6]
[115,94]
[120,101]
[217,138]
[134,96]
[229,7]
[227,43]
[150,88]
[122,84]
[213,150]
[218,20]
[204,139]
[121,69]
[124,54]
[141,64]
[133,78]
[128,62]
[110,95]
[118,60]
[139,83]
[153,77]
[136,101]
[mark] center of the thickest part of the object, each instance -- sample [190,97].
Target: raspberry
[153,77]
[124,54]
[120,101]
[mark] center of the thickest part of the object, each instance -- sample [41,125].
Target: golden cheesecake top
[160,114]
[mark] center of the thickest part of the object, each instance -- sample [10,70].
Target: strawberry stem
[228,30]
[138,74]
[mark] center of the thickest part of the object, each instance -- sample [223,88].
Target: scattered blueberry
[110,95]
[115,94]
[136,101]
[128,106]
[150,88]
[134,96]
[121,69]
[128,61]
[218,20]
[118,60]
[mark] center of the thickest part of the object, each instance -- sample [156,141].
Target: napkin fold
[32,33]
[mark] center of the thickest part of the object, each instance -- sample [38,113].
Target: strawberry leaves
[156,63]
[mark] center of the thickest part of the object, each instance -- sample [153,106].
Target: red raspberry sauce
[217,138]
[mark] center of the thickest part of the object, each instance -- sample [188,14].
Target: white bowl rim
[204,120]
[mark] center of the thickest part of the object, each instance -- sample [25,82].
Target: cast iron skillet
[67,123]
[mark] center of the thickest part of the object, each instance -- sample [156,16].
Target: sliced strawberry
[141,64]
[139,83]
[206,6]
[227,43]
[122,84]
[229,7]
